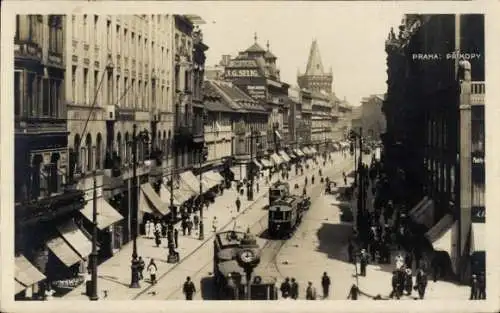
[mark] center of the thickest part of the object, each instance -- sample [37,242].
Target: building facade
[45,201]
[434,142]
[320,83]
[372,118]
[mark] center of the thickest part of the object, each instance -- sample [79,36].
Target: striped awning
[266,163]
[276,159]
[106,214]
[284,156]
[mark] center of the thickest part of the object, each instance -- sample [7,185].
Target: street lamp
[203,158]
[253,135]
[93,256]
[143,135]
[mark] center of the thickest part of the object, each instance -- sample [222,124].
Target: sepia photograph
[236,154]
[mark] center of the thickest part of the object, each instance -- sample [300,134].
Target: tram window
[278,215]
[276,193]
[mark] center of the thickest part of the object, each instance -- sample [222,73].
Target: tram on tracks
[285,215]
[278,191]
[230,280]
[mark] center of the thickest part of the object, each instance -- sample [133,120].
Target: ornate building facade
[427,144]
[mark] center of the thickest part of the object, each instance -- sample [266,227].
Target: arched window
[126,146]
[119,145]
[76,148]
[88,146]
[98,151]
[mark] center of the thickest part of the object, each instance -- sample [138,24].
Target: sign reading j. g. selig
[241,73]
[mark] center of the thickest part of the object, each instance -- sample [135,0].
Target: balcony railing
[478,89]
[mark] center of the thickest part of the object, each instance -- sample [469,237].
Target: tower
[315,78]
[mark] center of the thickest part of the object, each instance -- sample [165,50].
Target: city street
[201,271]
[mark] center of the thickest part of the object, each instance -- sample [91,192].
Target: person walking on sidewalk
[142,265]
[285,288]
[184,227]
[482,286]
[238,204]
[421,283]
[188,289]
[152,269]
[196,221]
[158,228]
[189,226]
[363,262]
[163,228]
[310,292]
[353,292]
[395,285]
[147,228]
[176,237]
[325,284]
[214,224]
[474,288]
[157,239]
[408,281]
[294,289]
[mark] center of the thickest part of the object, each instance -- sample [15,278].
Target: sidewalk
[114,275]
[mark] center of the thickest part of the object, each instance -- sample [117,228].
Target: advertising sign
[242,73]
[257,92]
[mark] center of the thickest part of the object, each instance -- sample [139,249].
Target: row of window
[42,30]
[36,95]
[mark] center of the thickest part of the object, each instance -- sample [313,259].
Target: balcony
[478,89]
[28,50]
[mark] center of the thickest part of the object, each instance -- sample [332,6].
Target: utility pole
[93,292]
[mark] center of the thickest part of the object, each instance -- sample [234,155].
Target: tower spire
[255,37]
[314,64]
[267,45]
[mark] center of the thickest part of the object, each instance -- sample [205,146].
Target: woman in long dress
[147,228]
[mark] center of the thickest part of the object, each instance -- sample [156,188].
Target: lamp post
[143,135]
[93,266]
[253,135]
[203,158]
[93,291]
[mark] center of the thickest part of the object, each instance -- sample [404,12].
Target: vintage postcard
[298,152]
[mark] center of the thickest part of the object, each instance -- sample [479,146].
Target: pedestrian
[399,262]
[312,180]
[363,262]
[196,221]
[158,228]
[238,204]
[157,239]
[152,269]
[353,293]
[49,292]
[421,283]
[189,226]
[257,187]
[188,289]
[325,284]
[482,286]
[214,224]
[163,228]
[474,288]
[142,264]
[285,288]
[409,259]
[184,226]
[310,292]
[147,228]
[395,285]
[294,289]
[408,282]
[176,237]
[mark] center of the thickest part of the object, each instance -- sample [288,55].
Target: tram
[278,190]
[230,279]
[285,215]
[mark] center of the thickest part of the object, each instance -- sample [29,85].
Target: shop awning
[215,176]
[440,235]
[18,287]
[313,150]
[208,183]
[106,214]
[278,135]
[257,164]
[299,152]
[422,213]
[26,274]
[478,238]
[307,151]
[151,196]
[240,172]
[266,163]
[284,156]
[276,159]
[72,246]
[191,181]
[165,196]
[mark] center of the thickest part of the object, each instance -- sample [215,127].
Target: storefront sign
[257,92]
[478,214]
[477,160]
[242,63]
[242,73]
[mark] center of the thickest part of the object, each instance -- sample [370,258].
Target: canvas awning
[72,246]
[240,172]
[313,150]
[165,196]
[307,151]
[478,239]
[440,235]
[422,213]
[276,159]
[266,163]
[106,214]
[278,135]
[148,194]
[191,181]
[284,156]
[215,176]
[26,274]
[299,152]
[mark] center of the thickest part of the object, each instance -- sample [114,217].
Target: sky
[351,39]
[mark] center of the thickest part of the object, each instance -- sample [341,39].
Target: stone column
[465,165]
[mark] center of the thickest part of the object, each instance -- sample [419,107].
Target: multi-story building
[319,83]
[372,118]
[304,136]
[45,201]
[434,142]
[255,72]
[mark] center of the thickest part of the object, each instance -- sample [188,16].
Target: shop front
[26,279]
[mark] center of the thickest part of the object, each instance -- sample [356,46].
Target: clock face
[247,256]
